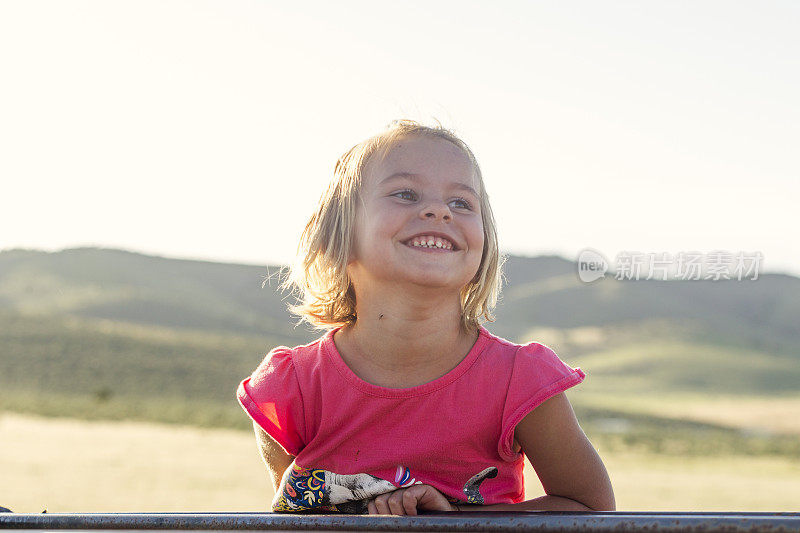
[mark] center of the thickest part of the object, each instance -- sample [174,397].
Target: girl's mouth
[430,242]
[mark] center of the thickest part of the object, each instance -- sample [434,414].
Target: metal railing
[541,521]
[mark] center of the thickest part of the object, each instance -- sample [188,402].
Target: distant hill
[113,334]
[546,292]
[134,288]
[228,298]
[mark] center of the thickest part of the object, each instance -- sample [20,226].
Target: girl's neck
[396,344]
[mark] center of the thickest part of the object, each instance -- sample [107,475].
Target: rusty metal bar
[468,521]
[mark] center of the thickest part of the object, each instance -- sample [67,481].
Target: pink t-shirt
[441,433]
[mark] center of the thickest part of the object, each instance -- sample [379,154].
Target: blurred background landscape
[692,393]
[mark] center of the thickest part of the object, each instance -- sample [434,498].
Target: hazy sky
[208,129]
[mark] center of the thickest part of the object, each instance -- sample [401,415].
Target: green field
[66,366]
[684,397]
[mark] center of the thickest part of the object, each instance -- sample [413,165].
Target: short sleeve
[538,374]
[271,396]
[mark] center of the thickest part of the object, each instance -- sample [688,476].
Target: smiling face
[420,219]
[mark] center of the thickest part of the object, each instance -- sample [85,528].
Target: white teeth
[432,242]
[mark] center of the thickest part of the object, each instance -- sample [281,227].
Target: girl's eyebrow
[416,177]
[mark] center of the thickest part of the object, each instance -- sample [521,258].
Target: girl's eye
[461,203]
[406,194]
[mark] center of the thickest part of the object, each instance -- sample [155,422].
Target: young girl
[407,402]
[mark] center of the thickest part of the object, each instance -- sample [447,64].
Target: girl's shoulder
[531,365]
[302,363]
[504,347]
[299,353]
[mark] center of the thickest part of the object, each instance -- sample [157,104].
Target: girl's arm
[572,473]
[274,457]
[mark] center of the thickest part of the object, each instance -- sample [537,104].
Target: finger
[381,506]
[371,509]
[431,499]
[395,502]
[410,503]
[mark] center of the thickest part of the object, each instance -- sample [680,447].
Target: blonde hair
[319,272]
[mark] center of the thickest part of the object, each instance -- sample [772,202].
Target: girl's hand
[407,501]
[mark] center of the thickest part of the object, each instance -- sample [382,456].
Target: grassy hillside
[65,366]
[139,289]
[690,398]
[663,366]
[761,313]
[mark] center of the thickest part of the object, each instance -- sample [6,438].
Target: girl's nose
[437,210]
